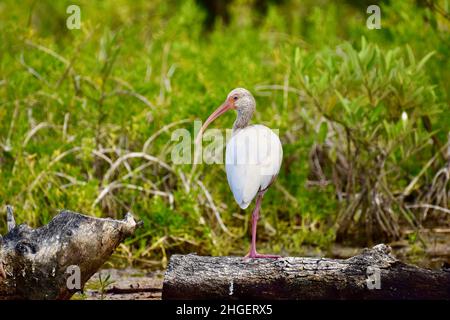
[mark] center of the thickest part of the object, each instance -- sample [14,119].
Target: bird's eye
[235,98]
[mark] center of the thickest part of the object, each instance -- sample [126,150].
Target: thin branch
[214,209]
[428,206]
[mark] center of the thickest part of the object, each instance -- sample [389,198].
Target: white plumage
[253,158]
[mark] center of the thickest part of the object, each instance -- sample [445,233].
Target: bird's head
[239,99]
[242,100]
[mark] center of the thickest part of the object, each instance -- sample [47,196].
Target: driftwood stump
[373,274]
[56,260]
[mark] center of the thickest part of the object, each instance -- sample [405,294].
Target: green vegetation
[86,118]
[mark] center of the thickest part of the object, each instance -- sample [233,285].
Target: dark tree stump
[373,274]
[38,263]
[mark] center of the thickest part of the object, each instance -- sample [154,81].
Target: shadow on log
[373,274]
[37,263]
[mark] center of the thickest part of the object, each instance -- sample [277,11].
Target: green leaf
[363,43]
[411,58]
[344,101]
[297,57]
[424,60]
[323,132]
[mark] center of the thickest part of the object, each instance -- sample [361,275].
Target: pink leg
[255,217]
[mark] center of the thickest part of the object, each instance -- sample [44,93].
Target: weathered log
[373,274]
[37,263]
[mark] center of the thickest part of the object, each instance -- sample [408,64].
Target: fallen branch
[373,274]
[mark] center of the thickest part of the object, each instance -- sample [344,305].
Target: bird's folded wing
[253,157]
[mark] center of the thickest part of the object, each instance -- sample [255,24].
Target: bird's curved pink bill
[227,105]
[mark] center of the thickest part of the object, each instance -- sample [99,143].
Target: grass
[86,117]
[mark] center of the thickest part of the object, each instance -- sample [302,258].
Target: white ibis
[253,157]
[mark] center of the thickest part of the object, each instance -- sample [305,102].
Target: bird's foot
[255,255]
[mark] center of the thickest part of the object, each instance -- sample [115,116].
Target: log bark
[373,274]
[56,260]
